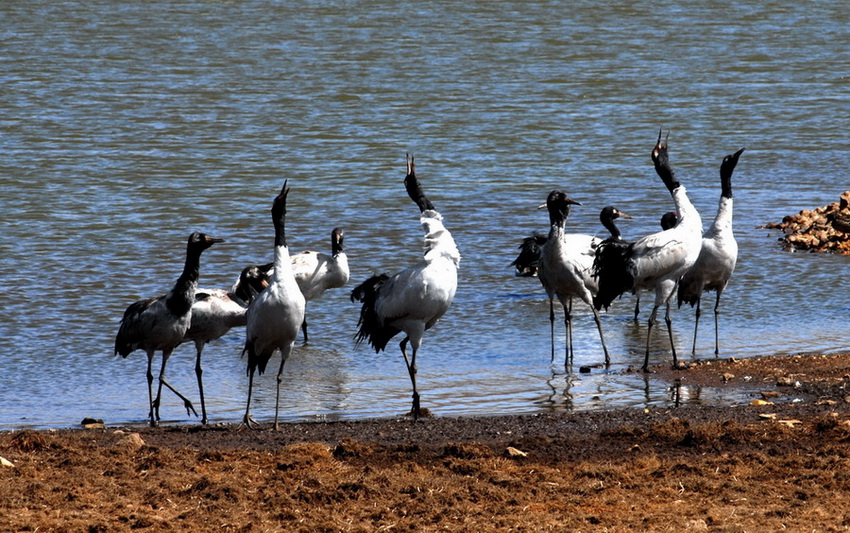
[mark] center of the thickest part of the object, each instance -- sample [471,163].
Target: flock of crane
[270,300]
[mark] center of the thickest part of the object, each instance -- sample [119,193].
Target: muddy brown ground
[783,464]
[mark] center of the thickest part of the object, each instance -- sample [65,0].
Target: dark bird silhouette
[656,261]
[718,254]
[276,314]
[566,269]
[414,299]
[526,262]
[161,323]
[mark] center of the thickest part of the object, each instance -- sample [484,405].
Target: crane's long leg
[552,326]
[247,420]
[697,314]
[569,353]
[199,346]
[601,335]
[149,376]
[670,334]
[190,409]
[649,324]
[284,355]
[304,329]
[716,327]
[411,369]
[637,305]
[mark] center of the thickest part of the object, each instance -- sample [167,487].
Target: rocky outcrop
[825,229]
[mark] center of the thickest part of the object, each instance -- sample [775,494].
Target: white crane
[718,254]
[566,270]
[276,314]
[657,261]
[414,299]
[160,323]
[668,220]
[316,272]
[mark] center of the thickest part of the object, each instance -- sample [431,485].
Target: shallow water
[127,126]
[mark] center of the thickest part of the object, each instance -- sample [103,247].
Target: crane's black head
[610,212]
[337,236]
[279,215]
[607,216]
[726,169]
[279,205]
[558,204]
[414,188]
[201,241]
[668,220]
[251,282]
[661,161]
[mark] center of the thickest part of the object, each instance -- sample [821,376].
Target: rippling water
[124,126]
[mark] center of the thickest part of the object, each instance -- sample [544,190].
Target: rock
[93,423]
[727,377]
[823,229]
[6,463]
[133,441]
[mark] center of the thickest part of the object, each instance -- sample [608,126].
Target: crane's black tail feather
[610,266]
[529,255]
[370,325]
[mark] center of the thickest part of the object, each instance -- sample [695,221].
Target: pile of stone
[825,229]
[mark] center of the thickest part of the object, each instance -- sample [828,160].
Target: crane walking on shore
[276,314]
[414,299]
[161,323]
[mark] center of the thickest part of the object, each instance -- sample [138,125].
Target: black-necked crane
[668,220]
[161,323]
[217,311]
[316,272]
[565,270]
[414,299]
[717,257]
[276,314]
[657,261]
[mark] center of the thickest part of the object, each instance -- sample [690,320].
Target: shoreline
[781,460]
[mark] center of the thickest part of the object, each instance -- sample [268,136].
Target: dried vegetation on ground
[775,465]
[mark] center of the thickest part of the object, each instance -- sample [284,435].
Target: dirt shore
[781,461]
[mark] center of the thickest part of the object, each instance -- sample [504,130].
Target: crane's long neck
[282,260]
[181,297]
[611,227]
[723,220]
[438,240]
[688,215]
